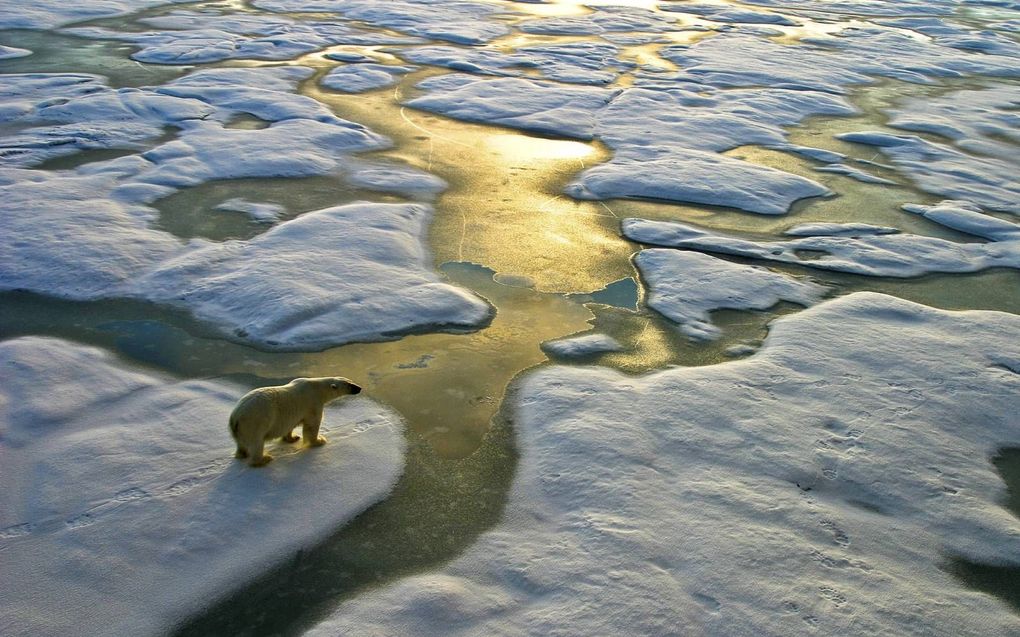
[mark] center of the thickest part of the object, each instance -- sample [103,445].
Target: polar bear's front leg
[310,430]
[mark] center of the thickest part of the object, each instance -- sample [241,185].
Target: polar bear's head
[340,386]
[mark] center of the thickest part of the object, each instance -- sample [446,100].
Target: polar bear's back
[276,404]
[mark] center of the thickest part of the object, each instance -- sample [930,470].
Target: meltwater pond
[504,229]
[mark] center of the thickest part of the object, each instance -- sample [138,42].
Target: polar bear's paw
[261,462]
[318,442]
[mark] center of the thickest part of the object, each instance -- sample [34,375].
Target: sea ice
[943,170]
[572,62]
[351,273]
[48,14]
[8,52]
[696,177]
[541,107]
[121,508]
[854,173]
[87,233]
[687,286]
[606,19]
[818,487]
[260,212]
[358,78]
[459,21]
[581,346]
[828,63]
[870,254]
[729,13]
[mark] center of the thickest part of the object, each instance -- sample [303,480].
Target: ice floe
[867,253]
[946,171]
[854,173]
[582,346]
[516,102]
[605,20]
[572,62]
[192,37]
[978,163]
[87,234]
[696,177]
[351,273]
[687,286]
[122,510]
[966,217]
[730,14]
[8,52]
[828,63]
[358,78]
[260,212]
[459,21]
[47,14]
[818,486]
[873,8]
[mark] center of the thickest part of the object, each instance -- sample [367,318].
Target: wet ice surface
[823,484]
[120,515]
[810,487]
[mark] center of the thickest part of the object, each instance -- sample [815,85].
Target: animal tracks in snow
[99,510]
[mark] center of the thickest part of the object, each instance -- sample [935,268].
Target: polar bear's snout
[355,389]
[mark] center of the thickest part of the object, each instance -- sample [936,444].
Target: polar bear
[273,412]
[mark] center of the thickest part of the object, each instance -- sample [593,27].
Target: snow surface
[192,37]
[301,285]
[581,346]
[687,286]
[815,487]
[357,272]
[122,509]
[730,14]
[358,78]
[48,14]
[606,20]
[869,254]
[455,21]
[594,63]
[828,63]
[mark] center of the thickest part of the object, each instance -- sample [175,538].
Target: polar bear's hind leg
[256,457]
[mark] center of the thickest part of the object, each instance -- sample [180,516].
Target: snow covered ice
[810,487]
[119,517]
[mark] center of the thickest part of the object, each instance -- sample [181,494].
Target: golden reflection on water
[504,206]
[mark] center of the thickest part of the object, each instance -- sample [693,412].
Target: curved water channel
[550,265]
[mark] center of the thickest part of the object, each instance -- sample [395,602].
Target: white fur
[273,412]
